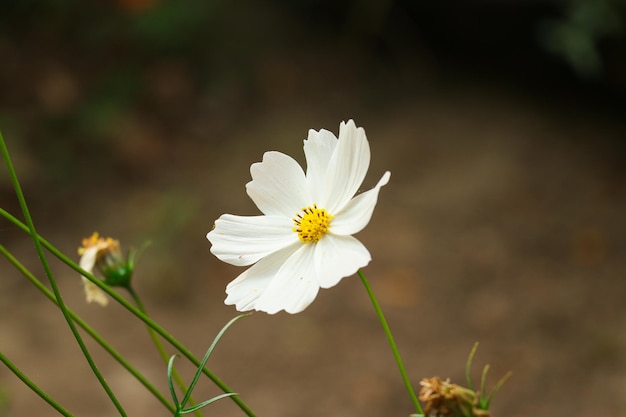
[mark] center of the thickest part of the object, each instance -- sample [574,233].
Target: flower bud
[106,256]
[116,270]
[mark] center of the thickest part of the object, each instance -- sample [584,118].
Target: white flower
[93,249]
[303,242]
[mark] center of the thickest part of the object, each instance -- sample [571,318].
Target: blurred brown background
[502,123]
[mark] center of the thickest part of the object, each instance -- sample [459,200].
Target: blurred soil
[503,223]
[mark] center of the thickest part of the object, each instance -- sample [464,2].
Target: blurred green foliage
[77,69]
[114,40]
[578,35]
[80,72]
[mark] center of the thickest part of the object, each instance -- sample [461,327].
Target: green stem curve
[392,343]
[13,368]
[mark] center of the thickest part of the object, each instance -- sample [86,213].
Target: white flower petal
[278,185]
[358,212]
[244,291]
[287,273]
[94,293]
[88,258]
[337,257]
[87,262]
[318,149]
[243,240]
[294,286]
[347,167]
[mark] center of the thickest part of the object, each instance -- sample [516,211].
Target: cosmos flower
[106,255]
[303,241]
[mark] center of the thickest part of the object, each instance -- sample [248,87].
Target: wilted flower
[106,255]
[442,399]
[303,241]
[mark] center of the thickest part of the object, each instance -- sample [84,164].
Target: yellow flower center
[312,223]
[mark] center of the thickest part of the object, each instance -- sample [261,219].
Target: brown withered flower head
[444,399]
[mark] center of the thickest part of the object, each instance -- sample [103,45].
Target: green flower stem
[394,348]
[131,308]
[99,339]
[34,386]
[55,289]
[159,345]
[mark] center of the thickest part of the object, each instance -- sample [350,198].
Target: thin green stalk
[159,345]
[132,309]
[394,348]
[99,339]
[55,289]
[34,386]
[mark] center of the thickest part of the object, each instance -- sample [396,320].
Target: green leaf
[483,382]
[468,367]
[170,369]
[497,388]
[206,357]
[207,402]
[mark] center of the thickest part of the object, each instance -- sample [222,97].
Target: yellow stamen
[107,244]
[312,223]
